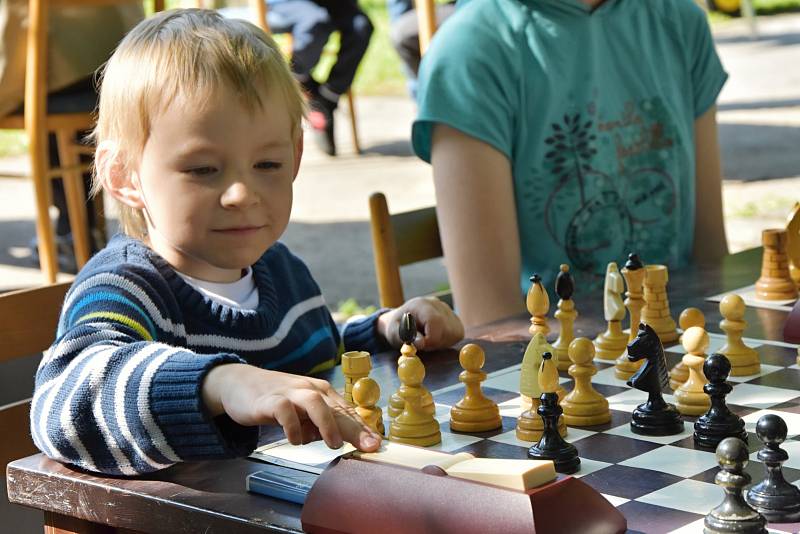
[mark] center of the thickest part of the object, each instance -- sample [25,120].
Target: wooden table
[210,496]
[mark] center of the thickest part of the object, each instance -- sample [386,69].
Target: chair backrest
[28,321]
[397,240]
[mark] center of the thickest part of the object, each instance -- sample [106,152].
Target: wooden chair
[259,10]
[397,240]
[38,123]
[426,22]
[28,321]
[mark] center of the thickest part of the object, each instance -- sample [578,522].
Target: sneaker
[321,120]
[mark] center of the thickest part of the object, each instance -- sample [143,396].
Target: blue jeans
[311,24]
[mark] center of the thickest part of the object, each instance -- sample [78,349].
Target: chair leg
[75,193]
[99,206]
[48,259]
[354,127]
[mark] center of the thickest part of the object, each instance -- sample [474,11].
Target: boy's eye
[268,165]
[201,171]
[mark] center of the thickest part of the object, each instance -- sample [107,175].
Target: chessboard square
[614,500]
[785,528]
[512,407]
[630,399]
[589,466]
[442,412]
[629,482]
[606,376]
[510,437]
[765,370]
[488,448]
[505,382]
[627,401]
[791,419]
[609,391]
[687,495]
[792,406]
[612,449]
[691,528]
[618,418]
[777,355]
[688,443]
[451,442]
[759,396]
[625,431]
[788,379]
[674,460]
[652,519]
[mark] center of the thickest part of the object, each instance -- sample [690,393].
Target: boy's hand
[439,326]
[307,408]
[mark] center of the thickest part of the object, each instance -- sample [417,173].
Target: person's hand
[308,409]
[438,326]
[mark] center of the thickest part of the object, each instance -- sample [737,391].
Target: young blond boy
[178,340]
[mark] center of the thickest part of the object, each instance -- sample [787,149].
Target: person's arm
[478,225]
[709,229]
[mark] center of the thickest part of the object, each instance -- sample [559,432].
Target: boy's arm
[709,229]
[115,395]
[478,225]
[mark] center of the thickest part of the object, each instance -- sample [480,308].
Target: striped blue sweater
[119,391]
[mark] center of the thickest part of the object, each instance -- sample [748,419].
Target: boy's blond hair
[177,53]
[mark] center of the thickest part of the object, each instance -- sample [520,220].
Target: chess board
[661,484]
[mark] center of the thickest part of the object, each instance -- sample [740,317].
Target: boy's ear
[116,178]
[298,154]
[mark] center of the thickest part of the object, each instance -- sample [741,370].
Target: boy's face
[215,181]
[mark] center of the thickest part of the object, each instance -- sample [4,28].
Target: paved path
[759,130]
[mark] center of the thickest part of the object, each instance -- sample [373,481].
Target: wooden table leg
[62,524]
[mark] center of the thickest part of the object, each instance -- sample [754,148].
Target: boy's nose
[239,194]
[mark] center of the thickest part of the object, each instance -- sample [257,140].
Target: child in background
[576,131]
[178,339]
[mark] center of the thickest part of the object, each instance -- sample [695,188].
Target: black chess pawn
[551,445]
[565,285]
[774,497]
[408,329]
[719,422]
[733,514]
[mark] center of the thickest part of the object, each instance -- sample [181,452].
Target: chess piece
[566,316]
[689,317]
[793,243]
[529,424]
[611,343]
[719,422]
[355,366]
[552,446]
[414,426]
[774,497]
[775,282]
[584,406]
[733,515]
[654,417]
[366,394]
[744,360]
[634,274]
[474,412]
[656,309]
[538,304]
[408,332]
[690,399]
